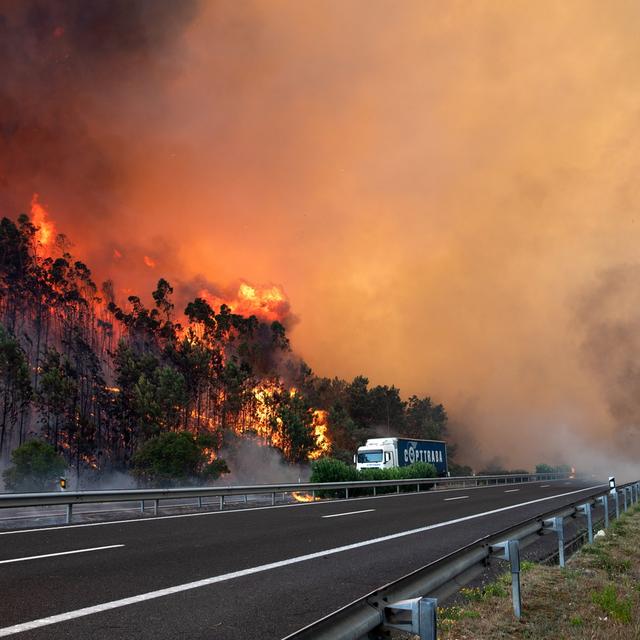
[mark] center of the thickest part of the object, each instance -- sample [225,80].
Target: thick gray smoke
[252,463]
[608,317]
[76,79]
[66,68]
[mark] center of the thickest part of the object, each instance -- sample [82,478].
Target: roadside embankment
[596,596]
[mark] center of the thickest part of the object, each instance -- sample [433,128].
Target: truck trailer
[387,453]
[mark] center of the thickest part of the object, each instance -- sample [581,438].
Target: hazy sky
[446,191]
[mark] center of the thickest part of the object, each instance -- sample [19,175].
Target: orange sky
[447,192]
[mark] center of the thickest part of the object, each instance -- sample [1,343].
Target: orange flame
[302,497]
[46,228]
[268,303]
[150,262]
[268,425]
[210,454]
[320,425]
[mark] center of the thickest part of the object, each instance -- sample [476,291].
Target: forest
[99,379]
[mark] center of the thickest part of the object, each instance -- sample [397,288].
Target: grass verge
[596,596]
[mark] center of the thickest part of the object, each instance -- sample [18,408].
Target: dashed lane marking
[61,553]
[348,513]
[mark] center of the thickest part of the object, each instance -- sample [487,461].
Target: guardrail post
[142,506]
[69,513]
[418,616]
[616,499]
[398,489]
[586,509]
[605,505]
[156,504]
[200,502]
[374,491]
[221,503]
[273,499]
[624,495]
[346,493]
[557,524]
[510,551]
[313,495]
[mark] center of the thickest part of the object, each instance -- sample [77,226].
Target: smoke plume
[447,191]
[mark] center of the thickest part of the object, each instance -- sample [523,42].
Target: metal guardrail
[70,498]
[446,575]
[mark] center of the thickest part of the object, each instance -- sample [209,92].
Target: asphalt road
[259,573]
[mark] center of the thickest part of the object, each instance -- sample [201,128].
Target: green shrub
[376,474]
[332,470]
[418,470]
[177,458]
[36,466]
[547,468]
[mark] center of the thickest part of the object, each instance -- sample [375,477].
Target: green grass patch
[576,621]
[617,608]
[492,590]
[456,613]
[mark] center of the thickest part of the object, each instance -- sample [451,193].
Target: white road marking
[456,498]
[348,513]
[544,486]
[152,595]
[511,490]
[61,553]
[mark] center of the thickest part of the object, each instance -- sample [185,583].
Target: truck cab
[377,453]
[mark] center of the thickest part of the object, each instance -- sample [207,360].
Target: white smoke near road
[251,462]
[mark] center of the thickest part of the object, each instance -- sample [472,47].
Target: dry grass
[596,596]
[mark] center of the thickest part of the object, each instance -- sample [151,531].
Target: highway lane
[240,596]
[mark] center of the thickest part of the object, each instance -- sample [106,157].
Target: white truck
[387,453]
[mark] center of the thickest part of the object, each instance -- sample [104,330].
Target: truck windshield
[370,456]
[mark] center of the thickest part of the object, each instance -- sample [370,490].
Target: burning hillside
[98,375]
[98,117]
[107,374]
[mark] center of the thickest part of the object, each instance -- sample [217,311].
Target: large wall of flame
[447,192]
